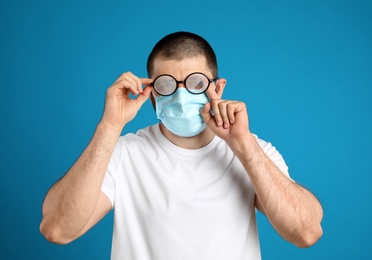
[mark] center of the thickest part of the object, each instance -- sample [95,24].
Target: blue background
[304,69]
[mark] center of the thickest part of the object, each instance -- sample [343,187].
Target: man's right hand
[120,108]
[76,203]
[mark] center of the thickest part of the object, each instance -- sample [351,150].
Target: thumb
[205,113]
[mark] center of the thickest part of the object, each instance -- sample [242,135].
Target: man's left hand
[229,119]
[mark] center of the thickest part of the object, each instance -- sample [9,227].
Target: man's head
[182,64]
[182,45]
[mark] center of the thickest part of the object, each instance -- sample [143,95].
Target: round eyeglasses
[195,83]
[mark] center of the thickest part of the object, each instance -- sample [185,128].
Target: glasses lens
[165,85]
[197,83]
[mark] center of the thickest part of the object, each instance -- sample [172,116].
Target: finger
[206,114]
[131,82]
[216,112]
[212,94]
[230,109]
[128,83]
[116,90]
[142,97]
[240,111]
[223,112]
[137,80]
[124,81]
[146,81]
[121,77]
[127,86]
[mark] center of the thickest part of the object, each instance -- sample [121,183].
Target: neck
[195,142]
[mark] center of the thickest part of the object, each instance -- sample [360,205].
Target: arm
[75,203]
[292,210]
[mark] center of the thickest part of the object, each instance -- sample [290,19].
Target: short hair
[182,45]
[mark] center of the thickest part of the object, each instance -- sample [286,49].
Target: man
[188,187]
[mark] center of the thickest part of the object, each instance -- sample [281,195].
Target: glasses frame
[184,83]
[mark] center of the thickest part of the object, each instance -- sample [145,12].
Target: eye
[165,85]
[197,83]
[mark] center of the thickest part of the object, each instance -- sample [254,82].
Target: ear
[220,86]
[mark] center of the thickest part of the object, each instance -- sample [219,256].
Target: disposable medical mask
[180,112]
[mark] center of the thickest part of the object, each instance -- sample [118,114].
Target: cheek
[152,99]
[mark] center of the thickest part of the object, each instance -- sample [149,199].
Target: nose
[181,96]
[179,85]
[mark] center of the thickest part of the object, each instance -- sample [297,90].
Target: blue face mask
[180,112]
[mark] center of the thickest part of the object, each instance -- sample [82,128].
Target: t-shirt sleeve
[274,156]
[108,185]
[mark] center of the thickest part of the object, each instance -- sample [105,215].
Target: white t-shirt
[178,204]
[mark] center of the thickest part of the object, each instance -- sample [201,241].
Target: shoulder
[146,133]
[274,155]
[143,138]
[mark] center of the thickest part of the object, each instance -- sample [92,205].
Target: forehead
[180,68]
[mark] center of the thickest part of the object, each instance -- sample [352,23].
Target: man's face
[181,69]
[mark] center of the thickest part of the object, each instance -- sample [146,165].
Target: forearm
[70,202]
[292,210]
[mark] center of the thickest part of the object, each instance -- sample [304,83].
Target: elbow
[53,234]
[312,231]
[310,237]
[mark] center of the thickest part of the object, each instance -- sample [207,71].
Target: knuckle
[230,105]
[243,105]
[216,113]
[222,104]
[215,101]
[110,90]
